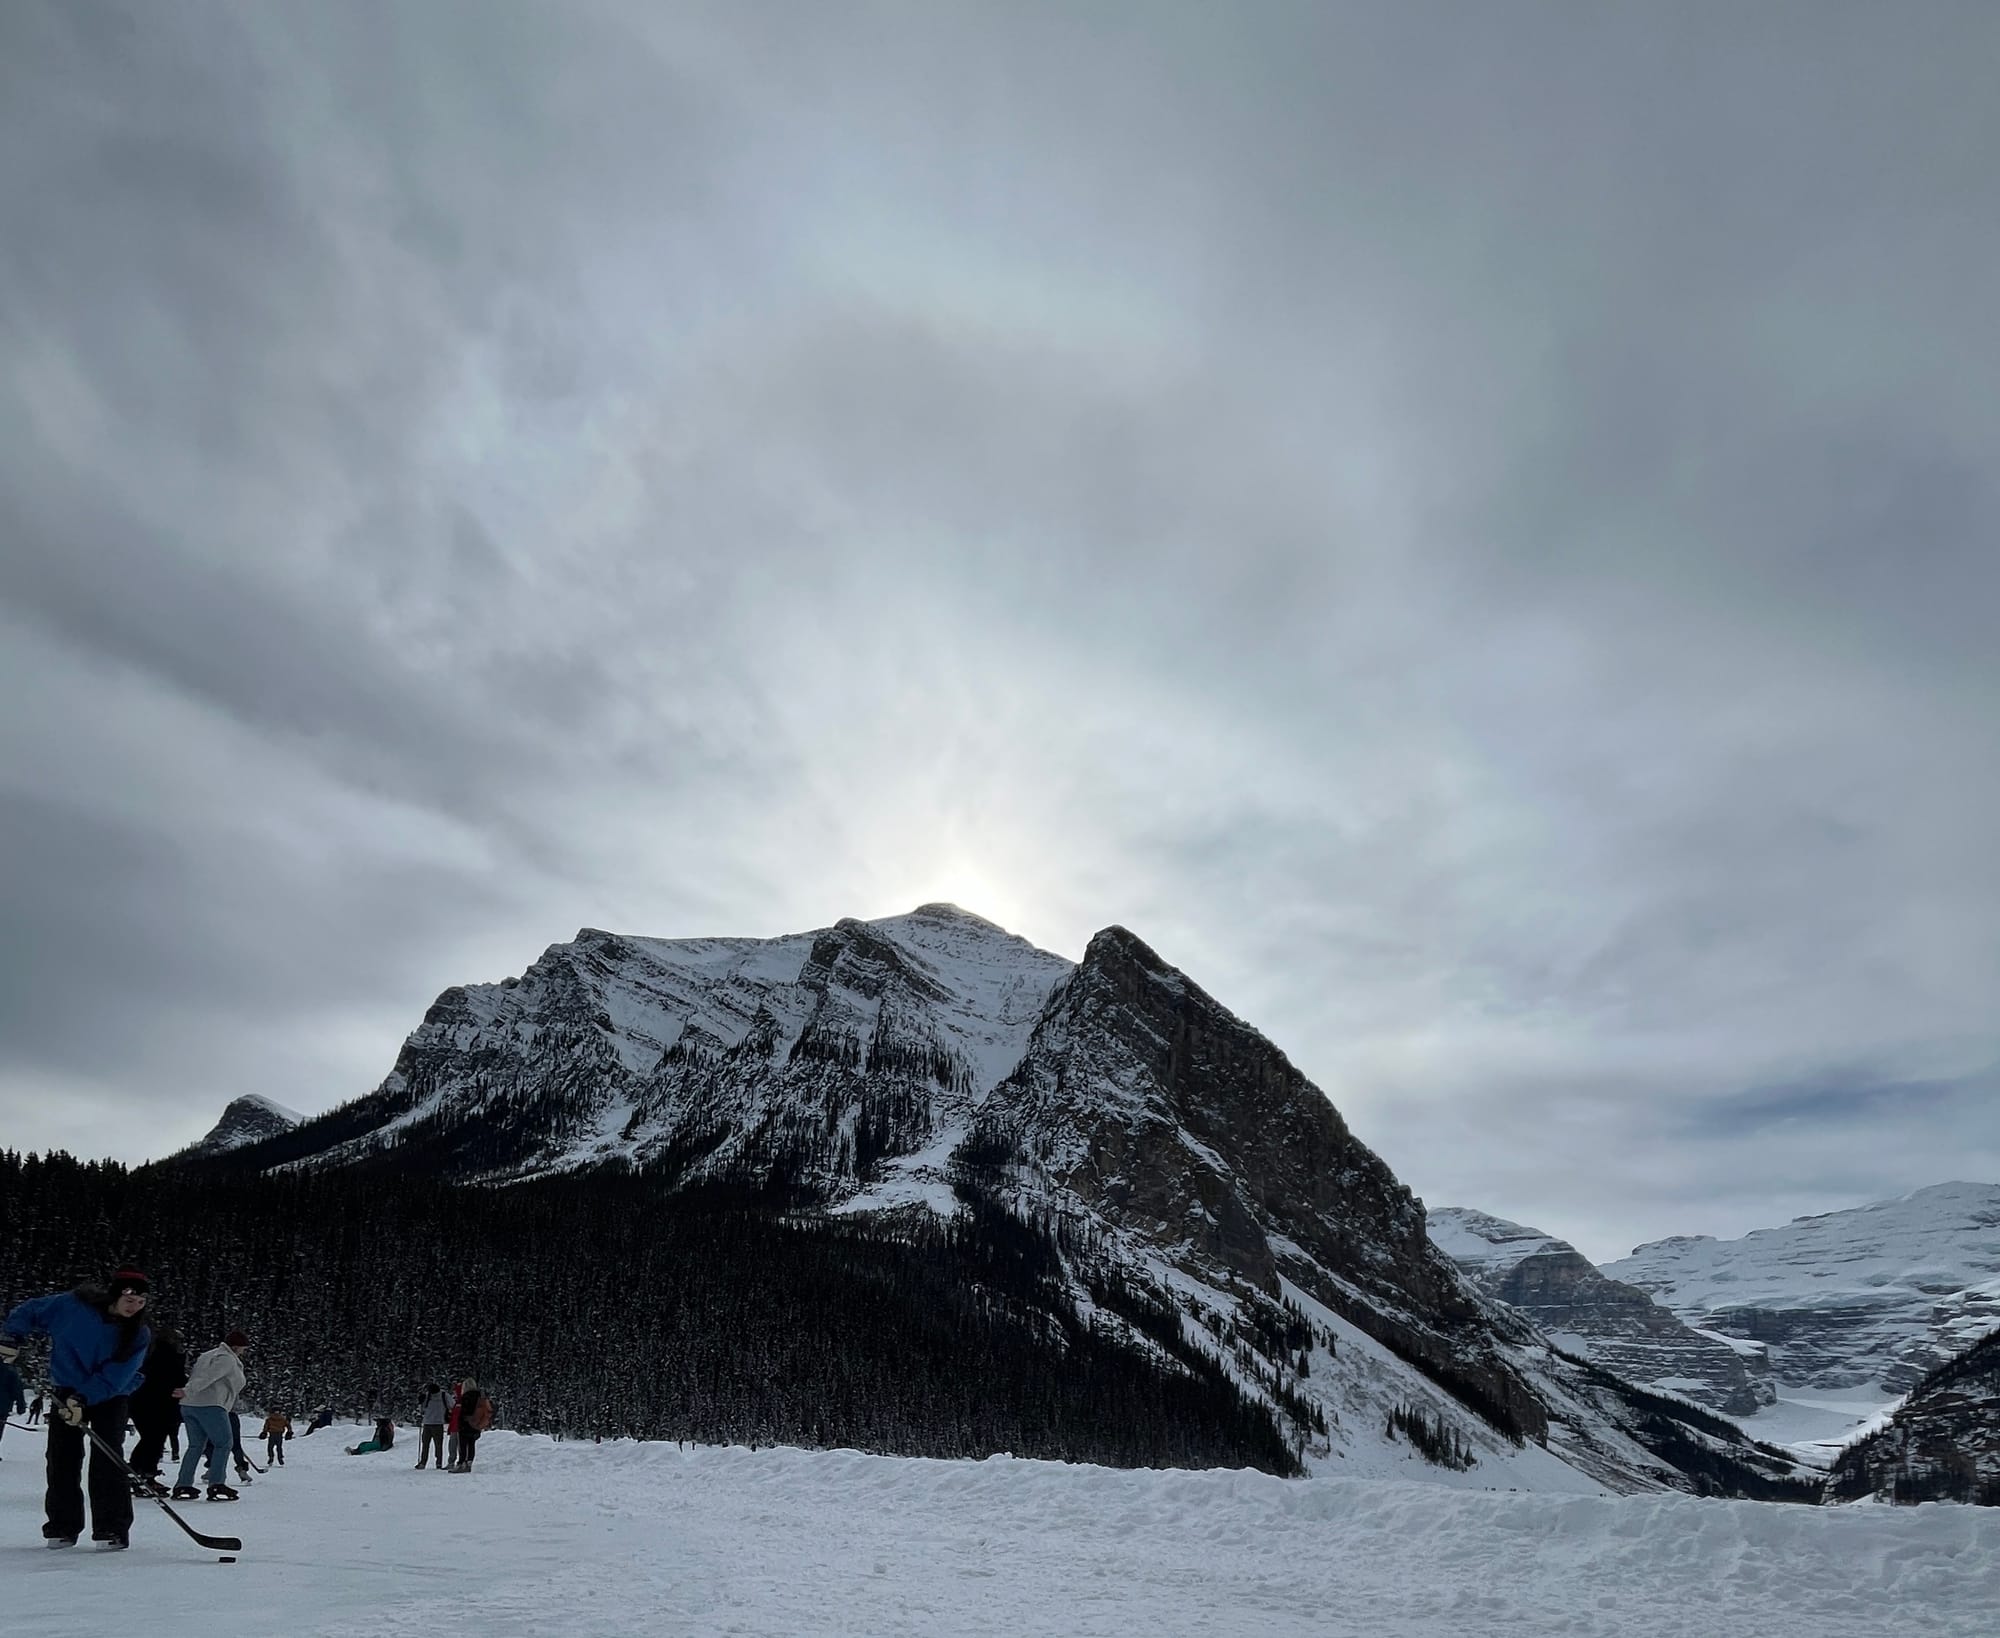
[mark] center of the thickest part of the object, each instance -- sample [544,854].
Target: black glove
[68,1406]
[10,1350]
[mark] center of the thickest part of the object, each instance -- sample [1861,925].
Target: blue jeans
[207,1429]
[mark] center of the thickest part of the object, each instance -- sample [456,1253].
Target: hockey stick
[219,1544]
[28,1427]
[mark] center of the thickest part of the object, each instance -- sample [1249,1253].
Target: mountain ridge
[1871,1296]
[935,1061]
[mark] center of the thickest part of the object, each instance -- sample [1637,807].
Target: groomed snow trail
[616,1541]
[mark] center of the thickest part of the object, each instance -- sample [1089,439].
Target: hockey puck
[227,1558]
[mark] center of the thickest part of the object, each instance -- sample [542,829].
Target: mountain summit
[248,1119]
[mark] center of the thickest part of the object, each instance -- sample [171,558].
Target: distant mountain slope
[1943,1443]
[1616,1325]
[1202,1193]
[1872,1297]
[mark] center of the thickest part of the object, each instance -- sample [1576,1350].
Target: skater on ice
[213,1387]
[97,1352]
[236,1451]
[277,1429]
[156,1413]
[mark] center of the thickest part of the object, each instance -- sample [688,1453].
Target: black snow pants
[430,1438]
[153,1432]
[468,1442]
[110,1493]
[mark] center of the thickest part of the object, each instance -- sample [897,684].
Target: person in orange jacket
[277,1429]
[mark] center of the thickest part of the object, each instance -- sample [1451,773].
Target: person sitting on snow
[385,1437]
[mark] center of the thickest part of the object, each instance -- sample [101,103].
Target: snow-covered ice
[1814,1424]
[607,1541]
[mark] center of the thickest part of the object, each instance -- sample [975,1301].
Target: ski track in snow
[624,1539]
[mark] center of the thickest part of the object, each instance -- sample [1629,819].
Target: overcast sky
[1473,529]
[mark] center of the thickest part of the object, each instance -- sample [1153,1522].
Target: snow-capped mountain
[813,1056]
[1617,1325]
[917,1061]
[1872,1297]
[247,1120]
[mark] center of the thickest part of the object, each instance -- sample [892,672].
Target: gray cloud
[1473,532]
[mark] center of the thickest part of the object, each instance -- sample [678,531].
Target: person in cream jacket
[213,1387]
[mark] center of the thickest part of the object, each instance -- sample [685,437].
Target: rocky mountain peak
[939,910]
[246,1120]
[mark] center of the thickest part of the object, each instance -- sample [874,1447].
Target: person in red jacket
[451,1427]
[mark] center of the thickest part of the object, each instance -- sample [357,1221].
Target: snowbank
[617,1540]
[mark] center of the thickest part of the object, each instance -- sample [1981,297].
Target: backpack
[482,1413]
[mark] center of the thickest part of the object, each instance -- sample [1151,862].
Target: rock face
[1871,1298]
[1617,1325]
[1176,1123]
[934,1061]
[247,1120]
[1943,1443]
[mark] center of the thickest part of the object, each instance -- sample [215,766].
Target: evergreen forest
[602,1304]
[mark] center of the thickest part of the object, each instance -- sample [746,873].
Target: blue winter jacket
[81,1343]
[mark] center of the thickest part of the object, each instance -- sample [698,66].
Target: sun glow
[967,885]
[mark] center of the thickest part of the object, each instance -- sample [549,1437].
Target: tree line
[603,1304]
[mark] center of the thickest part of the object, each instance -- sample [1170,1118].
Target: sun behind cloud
[971,886]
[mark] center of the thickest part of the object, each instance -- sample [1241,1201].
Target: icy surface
[1813,1424]
[616,1540]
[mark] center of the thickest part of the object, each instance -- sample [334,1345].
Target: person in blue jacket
[97,1352]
